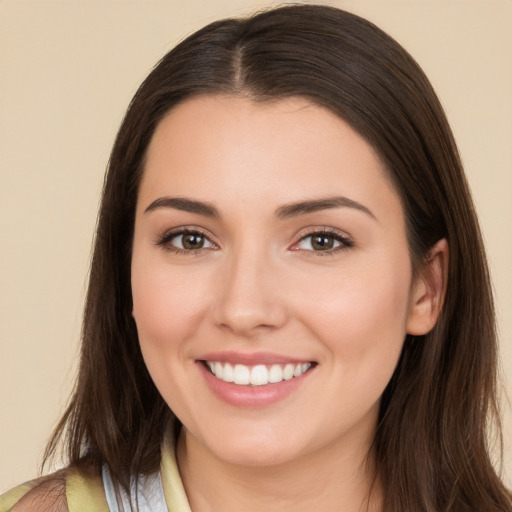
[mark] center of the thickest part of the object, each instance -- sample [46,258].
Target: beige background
[67,72]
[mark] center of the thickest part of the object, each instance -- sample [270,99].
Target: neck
[333,478]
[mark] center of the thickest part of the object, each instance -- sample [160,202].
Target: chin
[254,449]
[257,456]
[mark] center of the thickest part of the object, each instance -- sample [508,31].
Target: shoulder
[42,495]
[69,491]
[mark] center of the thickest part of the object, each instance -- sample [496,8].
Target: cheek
[361,318]
[167,309]
[166,305]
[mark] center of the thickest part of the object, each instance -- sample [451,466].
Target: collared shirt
[163,489]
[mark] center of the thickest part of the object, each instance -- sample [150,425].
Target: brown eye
[322,242]
[191,241]
[186,241]
[319,242]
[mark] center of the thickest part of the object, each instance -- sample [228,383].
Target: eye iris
[192,241]
[322,242]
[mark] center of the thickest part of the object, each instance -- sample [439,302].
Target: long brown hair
[432,438]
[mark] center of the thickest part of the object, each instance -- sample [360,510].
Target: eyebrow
[185,205]
[282,213]
[315,205]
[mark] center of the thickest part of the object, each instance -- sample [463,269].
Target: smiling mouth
[257,375]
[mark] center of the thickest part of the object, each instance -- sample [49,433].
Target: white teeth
[275,374]
[227,373]
[288,372]
[241,374]
[218,370]
[259,375]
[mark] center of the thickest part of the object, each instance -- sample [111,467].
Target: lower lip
[252,396]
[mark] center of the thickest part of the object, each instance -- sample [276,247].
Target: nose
[250,296]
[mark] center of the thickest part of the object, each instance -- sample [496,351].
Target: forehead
[228,146]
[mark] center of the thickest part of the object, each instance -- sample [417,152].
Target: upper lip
[252,359]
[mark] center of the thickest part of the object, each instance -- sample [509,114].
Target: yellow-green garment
[87,495]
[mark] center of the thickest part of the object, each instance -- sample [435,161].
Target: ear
[428,291]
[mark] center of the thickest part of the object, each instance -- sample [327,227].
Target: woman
[289,305]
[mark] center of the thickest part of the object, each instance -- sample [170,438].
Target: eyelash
[164,241]
[344,241]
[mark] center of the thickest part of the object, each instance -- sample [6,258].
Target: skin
[258,285]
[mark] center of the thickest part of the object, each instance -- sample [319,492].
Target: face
[271,278]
